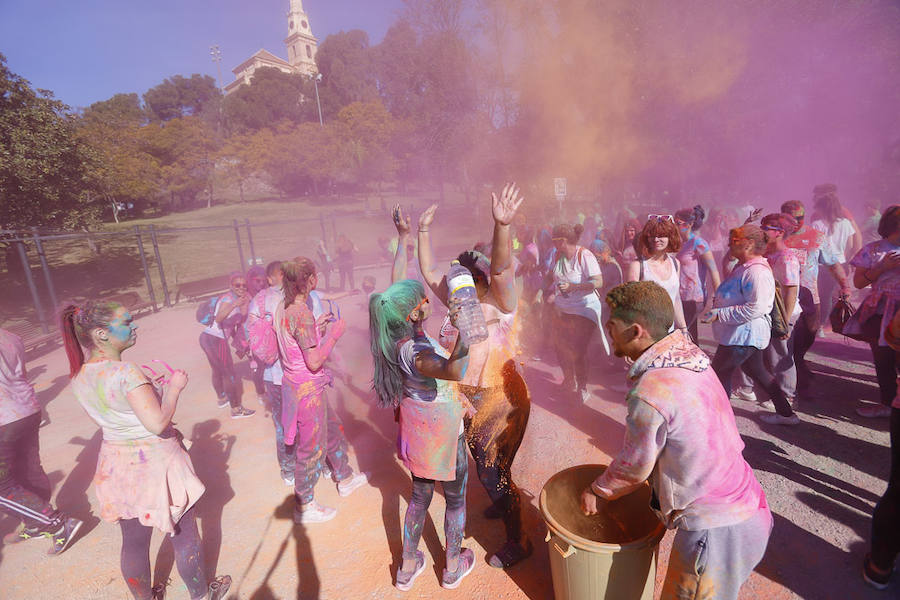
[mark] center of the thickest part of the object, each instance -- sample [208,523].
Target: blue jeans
[285,453]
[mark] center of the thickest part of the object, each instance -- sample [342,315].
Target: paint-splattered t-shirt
[415,385]
[884,299]
[17,399]
[102,390]
[296,331]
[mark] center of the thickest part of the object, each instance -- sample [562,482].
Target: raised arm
[503,280]
[430,364]
[398,270]
[438,284]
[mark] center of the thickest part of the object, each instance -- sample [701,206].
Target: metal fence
[156,263]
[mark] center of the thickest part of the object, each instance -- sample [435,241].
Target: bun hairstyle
[695,216]
[296,278]
[477,264]
[753,233]
[76,323]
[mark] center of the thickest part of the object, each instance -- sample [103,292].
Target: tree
[180,96]
[272,97]
[43,163]
[345,61]
[185,149]
[244,155]
[365,133]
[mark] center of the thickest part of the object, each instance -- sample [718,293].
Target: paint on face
[122,329]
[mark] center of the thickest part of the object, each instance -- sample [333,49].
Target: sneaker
[820,333]
[584,395]
[795,403]
[346,487]
[776,419]
[222,402]
[511,553]
[20,535]
[465,565]
[158,591]
[874,411]
[314,513]
[288,479]
[404,579]
[219,587]
[241,413]
[873,578]
[743,393]
[263,401]
[64,537]
[326,472]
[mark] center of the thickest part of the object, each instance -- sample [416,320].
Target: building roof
[264,56]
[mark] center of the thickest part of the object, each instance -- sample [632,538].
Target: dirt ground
[822,480]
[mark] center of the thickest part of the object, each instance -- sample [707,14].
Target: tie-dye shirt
[102,390]
[17,399]
[743,304]
[691,284]
[681,435]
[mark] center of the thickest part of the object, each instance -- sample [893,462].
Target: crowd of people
[640,289]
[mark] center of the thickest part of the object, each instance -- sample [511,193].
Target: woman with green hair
[413,375]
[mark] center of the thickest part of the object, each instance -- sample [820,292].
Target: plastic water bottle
[470,323]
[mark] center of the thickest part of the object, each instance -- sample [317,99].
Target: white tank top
[671,285]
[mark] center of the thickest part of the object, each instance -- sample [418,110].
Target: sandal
[511,553]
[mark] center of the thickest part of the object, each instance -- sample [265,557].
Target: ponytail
[387,327]
[77,321]
[70,339]
[699,216]
[295,278]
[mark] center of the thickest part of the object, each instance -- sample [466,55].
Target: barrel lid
[627,523]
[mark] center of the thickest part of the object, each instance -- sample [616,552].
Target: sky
[89,50]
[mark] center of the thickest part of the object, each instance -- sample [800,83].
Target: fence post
[44,267]
[250,241]
[140,242]
[237,237]
[34,293]
[159,265]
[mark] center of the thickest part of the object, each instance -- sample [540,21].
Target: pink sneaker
[346,487]
[874,411]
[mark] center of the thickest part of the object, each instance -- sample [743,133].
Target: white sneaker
[314,513]
[776,419]
[288,480]
[346,487]
[743,393]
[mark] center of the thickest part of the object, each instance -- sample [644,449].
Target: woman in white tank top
[658,241]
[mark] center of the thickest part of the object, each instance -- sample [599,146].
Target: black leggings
[691,308]
[454,513]
[886,370]
[886,518]
[572,334]
[494,435]
[135,560]
[750,359]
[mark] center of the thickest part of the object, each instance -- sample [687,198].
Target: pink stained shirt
[295,329]
[682,436]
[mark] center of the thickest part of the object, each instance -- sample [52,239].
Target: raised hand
[505,207]
[179,380]
[427,217]
[402,223]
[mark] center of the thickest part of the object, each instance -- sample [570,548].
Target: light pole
[316,79]
[217,58]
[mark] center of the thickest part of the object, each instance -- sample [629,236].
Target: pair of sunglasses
[159,378]
[668,218]
[771,228]
[334,309]
[416,308]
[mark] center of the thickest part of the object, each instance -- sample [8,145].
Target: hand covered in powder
[338,329]
[589,502]
[401,222]
[179,380]
[427,217]
[505,207]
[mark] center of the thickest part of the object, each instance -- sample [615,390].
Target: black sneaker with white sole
[64,536]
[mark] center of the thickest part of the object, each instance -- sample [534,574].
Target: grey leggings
[135,559]
[454,513]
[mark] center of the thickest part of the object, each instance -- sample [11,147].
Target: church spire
[300,42]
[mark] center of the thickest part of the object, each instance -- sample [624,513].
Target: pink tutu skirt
[151,480]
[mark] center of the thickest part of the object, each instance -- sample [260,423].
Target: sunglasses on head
[668,218]
[417,307]
[771,228]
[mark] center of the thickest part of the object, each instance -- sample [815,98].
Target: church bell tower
[300,42]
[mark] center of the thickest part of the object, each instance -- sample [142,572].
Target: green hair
[387,326]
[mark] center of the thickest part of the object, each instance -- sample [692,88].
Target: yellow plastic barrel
[609,556]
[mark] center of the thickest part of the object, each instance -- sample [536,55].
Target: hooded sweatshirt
[681,434]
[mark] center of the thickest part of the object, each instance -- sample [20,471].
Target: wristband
[423,230]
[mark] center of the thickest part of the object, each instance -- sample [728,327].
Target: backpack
[261,335]
[206,311]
